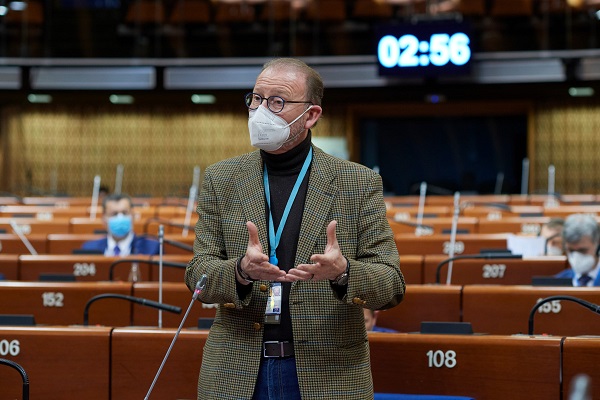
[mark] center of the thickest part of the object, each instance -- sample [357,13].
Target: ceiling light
[121,99]
[203,99]
[39,98]
[581,91]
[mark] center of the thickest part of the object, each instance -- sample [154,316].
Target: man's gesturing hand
[328,265]
[255,263]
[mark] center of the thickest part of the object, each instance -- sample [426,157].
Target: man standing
[294,243]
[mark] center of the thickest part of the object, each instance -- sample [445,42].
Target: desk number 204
[439,359]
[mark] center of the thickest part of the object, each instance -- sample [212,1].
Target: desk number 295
[439,359]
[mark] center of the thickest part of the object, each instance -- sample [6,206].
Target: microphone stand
[24,376]
[590,306]
[138,300]
[486,256]
[199,287]
[161,235]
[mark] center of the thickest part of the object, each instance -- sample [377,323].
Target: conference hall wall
[58,149]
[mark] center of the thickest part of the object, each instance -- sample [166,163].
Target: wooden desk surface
[29,226]
[9,266]
[61,362]
[580,356]
[521,225]
[63,303]
[483,367]
[12,244]
[492,271]
[423,303]
[440,244]
[176,294]
[412,268]
[85,267]
[136,355]
[506,309]
[439,226]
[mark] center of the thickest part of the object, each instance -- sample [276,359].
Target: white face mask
[554,251]
[269,131]
[581,263]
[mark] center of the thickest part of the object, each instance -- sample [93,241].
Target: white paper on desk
[527,246]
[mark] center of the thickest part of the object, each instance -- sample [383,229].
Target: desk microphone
[138,300]
[199,287]
[24,376]
[590,306]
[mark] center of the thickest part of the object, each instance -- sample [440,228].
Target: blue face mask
[120,225]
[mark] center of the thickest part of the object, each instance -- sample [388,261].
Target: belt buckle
[273,342]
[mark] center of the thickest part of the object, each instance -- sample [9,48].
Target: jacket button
[229,305]
[263,288]
[256,326]
[359,301]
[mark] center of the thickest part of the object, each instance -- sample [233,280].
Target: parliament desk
[438,226]
[564,200]
[423,303]
[580,356]
[564,211]
[483,367]
[171,273]
[137,353]
[12,243]
[44,212]
[29,226]
[440,244]
[66,243]
[96,225]
[501,271]
[174,293]
[61,362]
[63,303]
[506,309]
[84,267]
[517,225]
[405,213]
[9,266]
[412,268]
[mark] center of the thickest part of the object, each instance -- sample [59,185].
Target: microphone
[485,256]
[590,306]
[165,222]
[138,300]
[139,260]
[199,288]
[175,243]
[22,237]
[24,376]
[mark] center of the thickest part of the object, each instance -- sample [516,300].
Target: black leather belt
[278,349]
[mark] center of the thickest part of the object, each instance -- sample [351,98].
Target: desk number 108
[439,359]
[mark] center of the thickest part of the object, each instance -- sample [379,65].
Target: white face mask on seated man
[581,263]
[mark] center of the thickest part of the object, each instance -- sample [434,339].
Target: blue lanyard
[275,238]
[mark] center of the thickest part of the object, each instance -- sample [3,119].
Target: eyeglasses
[274,103]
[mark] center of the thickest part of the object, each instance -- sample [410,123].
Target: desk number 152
[439,359]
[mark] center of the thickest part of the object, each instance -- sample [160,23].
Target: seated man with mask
[581,237]
[120,240]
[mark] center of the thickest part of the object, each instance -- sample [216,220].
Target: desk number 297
[439,359]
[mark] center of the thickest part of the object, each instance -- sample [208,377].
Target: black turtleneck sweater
[283,170]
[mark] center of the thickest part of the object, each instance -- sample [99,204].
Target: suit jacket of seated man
[569,273]
[330,339]
[139,245]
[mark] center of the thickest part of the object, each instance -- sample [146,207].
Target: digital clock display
[424,49]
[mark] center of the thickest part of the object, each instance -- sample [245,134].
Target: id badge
[273,311]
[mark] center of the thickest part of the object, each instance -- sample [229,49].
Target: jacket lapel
[251,192]
[319,199]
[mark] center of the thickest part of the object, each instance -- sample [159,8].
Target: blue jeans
[277,380]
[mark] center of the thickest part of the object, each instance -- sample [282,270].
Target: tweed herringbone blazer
[331,345]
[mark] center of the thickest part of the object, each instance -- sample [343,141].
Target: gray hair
[314,82]
[578,226]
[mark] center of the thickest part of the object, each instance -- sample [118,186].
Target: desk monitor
[50,277]
[550,281]
[17,320]
[454,328]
